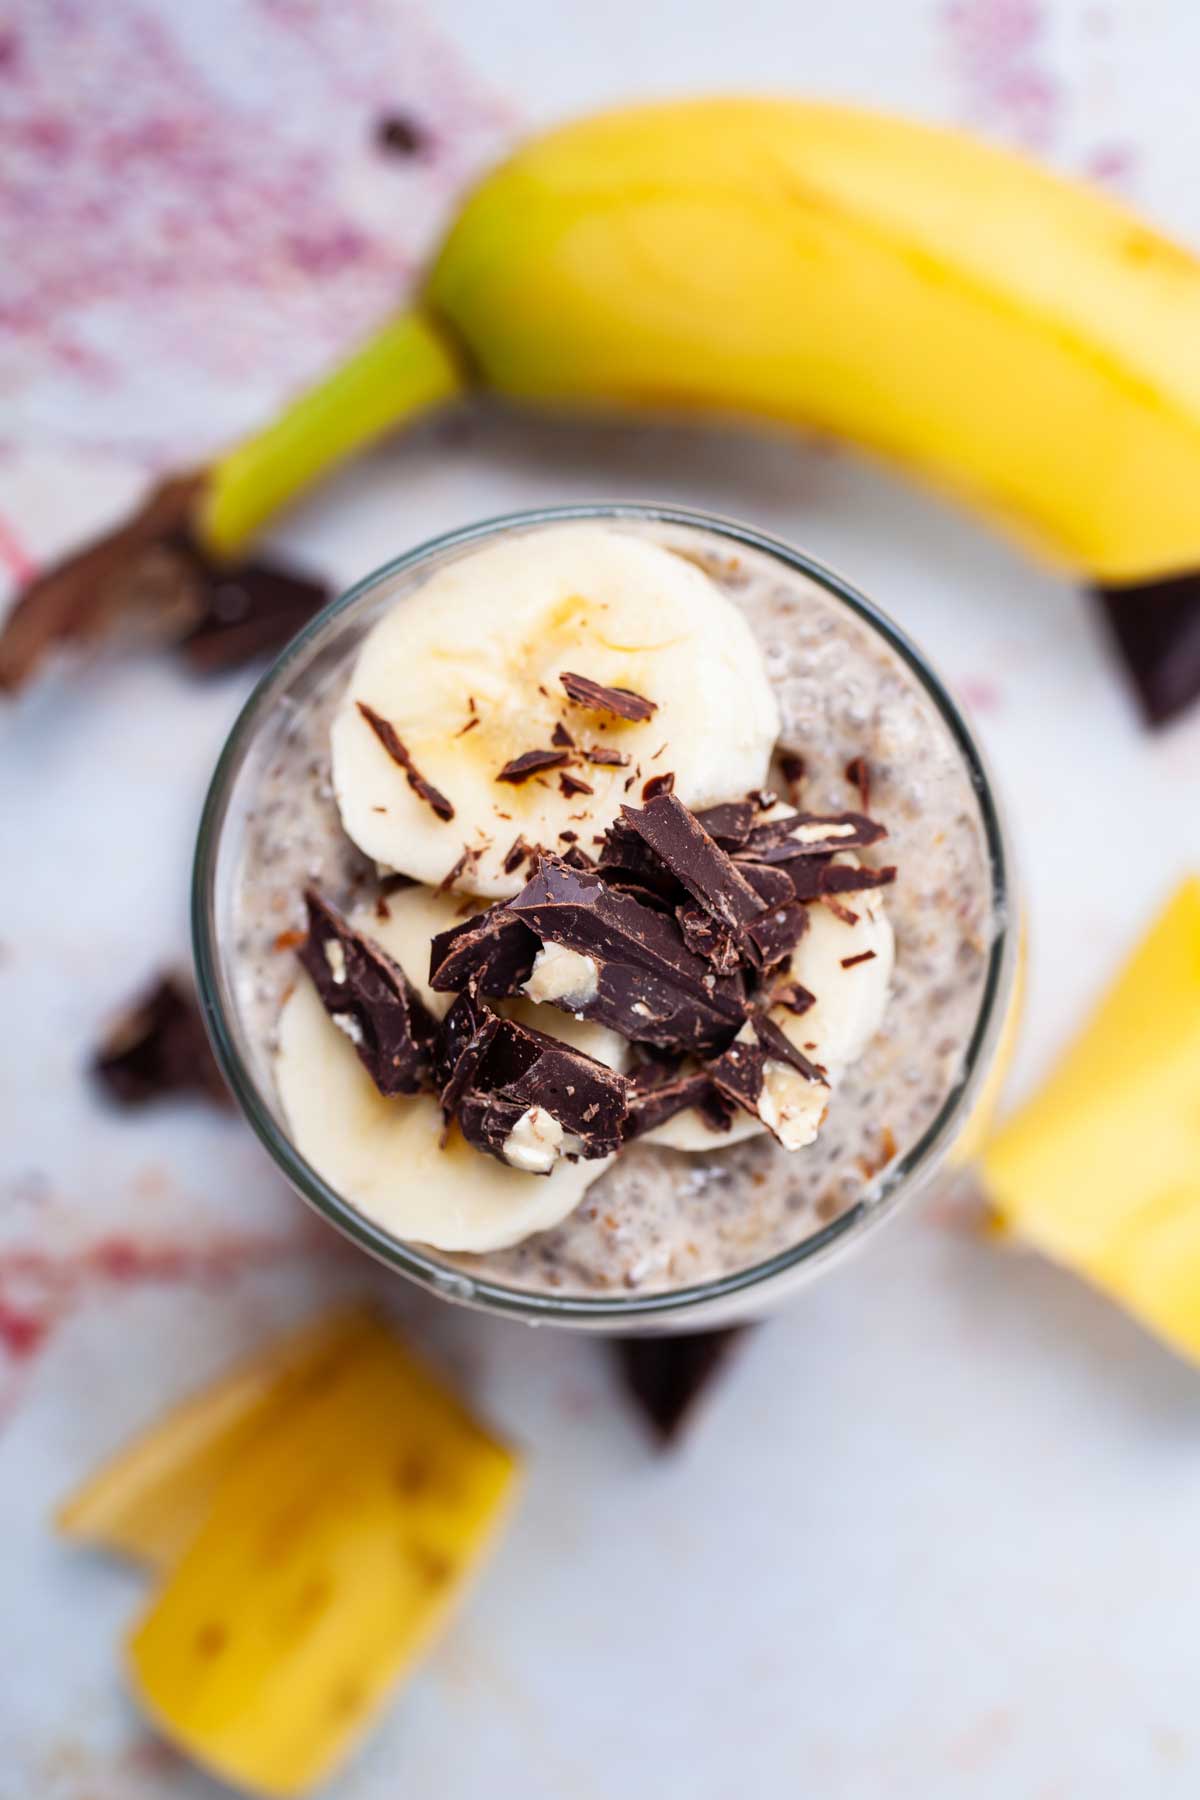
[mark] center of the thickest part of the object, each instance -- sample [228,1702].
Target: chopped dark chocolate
[782,1049]
[570,785]
[850,962]
[561,738]
[812,834]
[707,937]
[816,879]
[1155,626]
[729,825]
[459,1048]
[517,853]
[776,932]
[695,860]
[623,703]
[793,996]
[523,1069]
[494,950]
[458,867]
[531,762]
[654,1104]
[370,998]
[469,726]
[858,774]
[792,768]
[158,1047]
[771,883]
[605,754]
[389,738]
[650,987]
[658,784]
[666,1375]
[749,1075]
[577,858]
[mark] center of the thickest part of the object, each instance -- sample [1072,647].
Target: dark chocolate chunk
[658,784]
[151,575]
[650,986]
[707,937]
[815,879]
[517,853]
[531,762]
[570,785]
[666,1375]
[812,834]
[627,861]
[729,825]
[370,998]
[858,774]
[459,1048]
[522,1068]
[494,950]
[738,1072]
[577,858]
[605,754]
[695,860]
[657,1102]
[622,702]
[782,1049]
[777,932]
[1155,626]
[389,738]
[772,884]
[159,1047]
[796,998]
[561,738]
[400,134]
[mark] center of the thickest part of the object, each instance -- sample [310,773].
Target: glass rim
[817,1249]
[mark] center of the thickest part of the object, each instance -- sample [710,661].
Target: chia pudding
[857,729]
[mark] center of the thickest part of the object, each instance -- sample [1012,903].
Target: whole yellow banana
[1005,334]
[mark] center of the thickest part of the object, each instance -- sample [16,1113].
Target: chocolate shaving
[459,867]
[783,1050]
[469,726]
[623,703]
[858,774]
[794,997]
[561,738]
[570,785]
[1155,628]
[157,1048]
[389,738]
[531,762]
[665,1376]
[493,951]
[850,962]
[605,754]
[658,785]
[370,998]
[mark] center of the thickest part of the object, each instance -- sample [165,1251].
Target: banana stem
[404,370]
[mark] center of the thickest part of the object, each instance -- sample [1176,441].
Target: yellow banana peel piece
[316,1517]
[149,1500]
[1010,336]
[1101,1170]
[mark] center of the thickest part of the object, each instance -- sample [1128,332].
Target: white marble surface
[935,1534]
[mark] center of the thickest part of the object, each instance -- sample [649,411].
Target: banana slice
[463,677]
[834,1032]
[385,1156]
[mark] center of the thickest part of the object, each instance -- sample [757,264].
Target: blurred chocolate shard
[606,755]
[370,999]
[623,703]
[531,762]
[158,1048]
[817,879]
[151,578]
[650,986]
[523,1072]
[1155,627]
[400,135]
[494,950]
[665,1376]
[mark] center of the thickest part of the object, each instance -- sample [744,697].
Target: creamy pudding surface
[855,734]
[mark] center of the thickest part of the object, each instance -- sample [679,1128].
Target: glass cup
[313,658]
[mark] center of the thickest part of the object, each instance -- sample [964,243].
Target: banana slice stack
[504,720]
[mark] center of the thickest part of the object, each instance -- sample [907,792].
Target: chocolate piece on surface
[517,853]
[666,1376]
[777,932]
[1155,627]
[158,1047]
[570,785]
[492,949]
[388,736]
[577,858]
[650,985]
[658,784]
[793,996]
[523,1069]
[532,762]
[817,879]
[851,962]
[623,703]
[400,134]
[662,1100]
[858,774]
[812,834]
[561,738]
[370,998]
[605,754]
[729,825]
[459,1048]
[695,860]
[706,937]
[781,1048]
[792,768]
[771,882]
